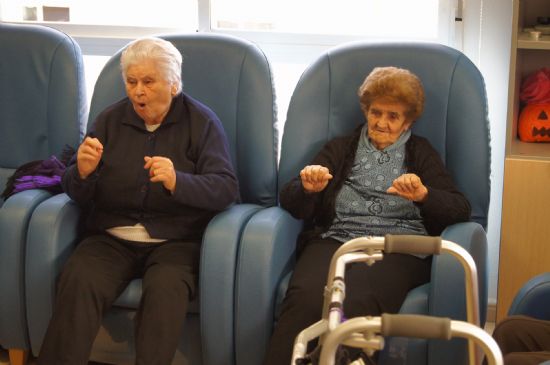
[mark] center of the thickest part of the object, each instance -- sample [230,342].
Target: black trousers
[96,274]
[370,290]
[523,340]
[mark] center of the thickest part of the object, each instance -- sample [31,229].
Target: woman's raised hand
[315,178]
[161,169]
[88,156]
[410,187]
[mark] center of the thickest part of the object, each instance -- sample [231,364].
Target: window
[102,27]
[420,19]
[292,33]
[179,14]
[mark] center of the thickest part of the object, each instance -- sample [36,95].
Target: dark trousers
[370,290]
[96,274]
[523,340]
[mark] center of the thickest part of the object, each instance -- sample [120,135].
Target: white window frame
[107,39]
[295,49]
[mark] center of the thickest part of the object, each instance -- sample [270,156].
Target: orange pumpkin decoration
[534,123]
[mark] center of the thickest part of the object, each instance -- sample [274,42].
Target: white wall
[487,41]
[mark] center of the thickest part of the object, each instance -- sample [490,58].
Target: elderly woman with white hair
[152,172]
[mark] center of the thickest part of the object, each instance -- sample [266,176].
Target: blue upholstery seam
[329,64]
[447,105]
[237,131]
[275,119]
[81,110]
[528,293]
[273,100]
[48,118]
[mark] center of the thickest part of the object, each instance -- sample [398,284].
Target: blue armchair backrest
[42,95]
[230,75]
[533,298]
[325,105]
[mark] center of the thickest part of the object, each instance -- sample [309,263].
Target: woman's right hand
[315,178]
[88,156]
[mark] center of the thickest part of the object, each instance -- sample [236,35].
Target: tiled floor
[489,326]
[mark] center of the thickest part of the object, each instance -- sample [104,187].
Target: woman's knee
[166,280]
[77,276]
[303,304]
[512,326]
[521,358]
[82,278]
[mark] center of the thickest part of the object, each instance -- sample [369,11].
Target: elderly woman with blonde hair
[152,172]
[380,179]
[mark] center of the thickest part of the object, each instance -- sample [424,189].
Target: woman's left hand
[161,169]
[410,187]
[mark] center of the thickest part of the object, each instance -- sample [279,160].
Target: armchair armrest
[448,300]
[266,255]
[447,290]
[15,215]
[53,233]
[218,267]
[533,299]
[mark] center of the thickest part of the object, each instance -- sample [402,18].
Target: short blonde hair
[395,85]
[162,52]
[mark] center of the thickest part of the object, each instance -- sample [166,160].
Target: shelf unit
[525,232]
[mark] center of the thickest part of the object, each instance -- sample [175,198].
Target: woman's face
[386,122]
[150,93]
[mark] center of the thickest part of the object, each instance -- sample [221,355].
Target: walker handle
[414,325]
[413,244]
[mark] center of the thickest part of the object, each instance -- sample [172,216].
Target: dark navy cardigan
[445,204]
[119,192]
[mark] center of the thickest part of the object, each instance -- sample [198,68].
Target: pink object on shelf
[535,89]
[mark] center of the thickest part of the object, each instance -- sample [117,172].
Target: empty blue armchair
[533,299]
[42,109]
[233,78]
[325,105]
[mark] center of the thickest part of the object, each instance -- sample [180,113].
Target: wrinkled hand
[410,187]
[88,156]
[315,178]
[161,169]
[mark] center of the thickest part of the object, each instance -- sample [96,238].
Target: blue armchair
[42,109]
[325,105]
[533,299]
[233,77]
